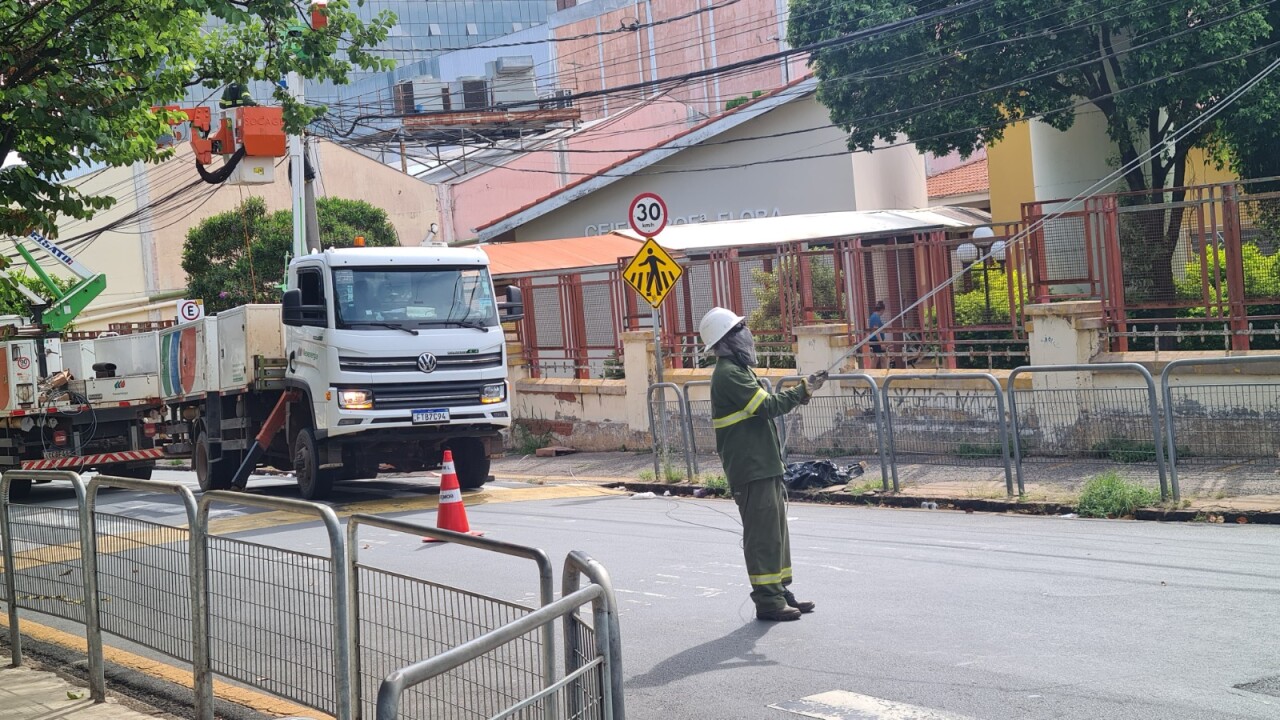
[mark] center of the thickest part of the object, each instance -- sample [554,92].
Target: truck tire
[19,489]
[211,476]
[313,482]
[471,462]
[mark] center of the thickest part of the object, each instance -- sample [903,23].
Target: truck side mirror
[513,309]
[291,308]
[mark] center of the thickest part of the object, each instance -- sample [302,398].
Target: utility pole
[297,165]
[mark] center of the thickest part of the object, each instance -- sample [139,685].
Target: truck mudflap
[87,460]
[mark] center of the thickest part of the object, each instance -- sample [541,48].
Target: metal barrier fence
[1071,421]
[51,577]
[1222,434]
[837,426]
[147,575]
[964,427]
[297,625]
[667,418]
[278,619]
[399,619]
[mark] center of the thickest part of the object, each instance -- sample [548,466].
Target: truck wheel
[470,461]
[19,489]
[314,483]
[213,476]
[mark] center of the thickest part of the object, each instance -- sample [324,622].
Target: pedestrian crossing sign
[652,272]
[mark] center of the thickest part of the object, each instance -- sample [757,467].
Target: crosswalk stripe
[844,705]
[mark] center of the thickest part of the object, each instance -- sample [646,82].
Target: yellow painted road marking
[251,699]
[110,544]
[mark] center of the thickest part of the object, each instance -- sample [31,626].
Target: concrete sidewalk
[27,693]
[1227,490]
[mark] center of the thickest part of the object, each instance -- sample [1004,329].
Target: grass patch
[1129,451]
[977,450]
[672,474]
[1110,496]
[646,476]
[866,487]
[715,483]
[527,442]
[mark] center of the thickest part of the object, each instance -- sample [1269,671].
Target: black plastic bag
[818,474]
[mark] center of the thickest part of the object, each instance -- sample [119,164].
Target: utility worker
[747,441]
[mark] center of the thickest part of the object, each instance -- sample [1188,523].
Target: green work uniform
[747,441]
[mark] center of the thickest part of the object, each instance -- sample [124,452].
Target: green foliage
[1110,496]
[971,306]
[672,474]
[13,303]
[614,368]
[646,476]
[767,315]
[526,442]
[1125,450]
[715,483]
[239,257]
[977,450]
[80,77]
[1261,275]
[1148,68]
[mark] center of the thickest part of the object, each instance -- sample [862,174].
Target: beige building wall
[893,178]
[142,257]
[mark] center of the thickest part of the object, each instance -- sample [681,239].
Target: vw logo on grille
[427,362]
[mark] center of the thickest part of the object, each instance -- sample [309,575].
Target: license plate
[426,417]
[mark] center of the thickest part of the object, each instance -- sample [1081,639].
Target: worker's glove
[816,381]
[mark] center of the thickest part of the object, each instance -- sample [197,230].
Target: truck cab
[398,353]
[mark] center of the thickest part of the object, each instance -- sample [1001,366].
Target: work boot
[804,607]
[779,615]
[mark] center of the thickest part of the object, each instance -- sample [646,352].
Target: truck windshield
[414,297]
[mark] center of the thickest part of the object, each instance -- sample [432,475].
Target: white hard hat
[716,324]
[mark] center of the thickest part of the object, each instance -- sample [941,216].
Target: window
[311,283]
[416,297]
[473,29]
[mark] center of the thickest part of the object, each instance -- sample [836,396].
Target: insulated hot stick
[1071,204]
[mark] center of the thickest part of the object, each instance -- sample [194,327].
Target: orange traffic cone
[452,514]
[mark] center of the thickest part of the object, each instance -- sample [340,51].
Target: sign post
[653,273]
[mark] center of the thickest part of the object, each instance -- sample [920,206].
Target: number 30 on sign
[648,214]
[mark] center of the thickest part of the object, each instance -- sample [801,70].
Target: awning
[541,256]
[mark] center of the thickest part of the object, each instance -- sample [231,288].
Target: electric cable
[1070,204]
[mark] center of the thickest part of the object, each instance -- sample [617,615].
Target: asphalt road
[975,615]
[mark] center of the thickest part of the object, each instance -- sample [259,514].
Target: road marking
[109,544]
[843,705]
[251,699]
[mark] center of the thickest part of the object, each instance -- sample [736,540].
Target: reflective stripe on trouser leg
[765,546]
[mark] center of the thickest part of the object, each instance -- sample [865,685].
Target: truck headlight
[355,399]
[494,393]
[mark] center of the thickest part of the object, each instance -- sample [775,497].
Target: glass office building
[425,29]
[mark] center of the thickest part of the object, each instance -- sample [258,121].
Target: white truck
[62,406]
[376,356]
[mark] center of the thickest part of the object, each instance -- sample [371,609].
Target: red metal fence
[573,320]
[1190,269]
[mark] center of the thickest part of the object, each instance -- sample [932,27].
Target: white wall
[1068,163]
[891,178]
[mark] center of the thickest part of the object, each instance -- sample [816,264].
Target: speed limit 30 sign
[648,214]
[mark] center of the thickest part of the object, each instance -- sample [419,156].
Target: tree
[239,257]
[78,79]
[1150,67]
[13,302]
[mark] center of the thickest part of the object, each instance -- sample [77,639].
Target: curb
[875,499]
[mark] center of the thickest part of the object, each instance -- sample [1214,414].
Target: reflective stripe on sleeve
[743,414]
